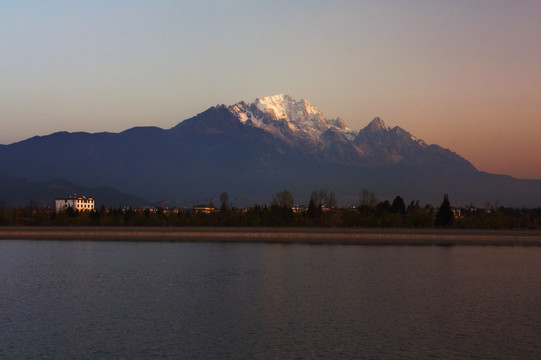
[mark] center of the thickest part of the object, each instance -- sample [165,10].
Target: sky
[463,74]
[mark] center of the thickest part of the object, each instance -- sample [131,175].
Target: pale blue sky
[463,74]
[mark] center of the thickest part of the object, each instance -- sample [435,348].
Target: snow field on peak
[275,104]
[300,117]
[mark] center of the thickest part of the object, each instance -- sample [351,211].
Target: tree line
[321,211]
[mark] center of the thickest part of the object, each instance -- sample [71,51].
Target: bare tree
[332,200]
[283,199]
[323,194]
[368,199]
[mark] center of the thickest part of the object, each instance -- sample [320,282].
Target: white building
[78,203]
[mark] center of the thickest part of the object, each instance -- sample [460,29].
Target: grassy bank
[278,235]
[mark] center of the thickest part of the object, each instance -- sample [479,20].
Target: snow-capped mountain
[253,150]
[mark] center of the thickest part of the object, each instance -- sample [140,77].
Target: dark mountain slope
[16,192]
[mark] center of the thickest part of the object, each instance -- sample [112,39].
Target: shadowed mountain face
[19,193]
[255,150]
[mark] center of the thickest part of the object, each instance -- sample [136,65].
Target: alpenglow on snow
[274,113]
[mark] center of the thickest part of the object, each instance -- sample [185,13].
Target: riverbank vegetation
[320,212]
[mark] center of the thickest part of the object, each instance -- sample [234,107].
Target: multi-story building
[79,203]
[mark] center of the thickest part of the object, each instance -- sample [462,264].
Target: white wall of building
[79,203]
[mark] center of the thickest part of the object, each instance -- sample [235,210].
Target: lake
[143,300]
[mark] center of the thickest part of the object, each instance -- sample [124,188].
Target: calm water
[100,300]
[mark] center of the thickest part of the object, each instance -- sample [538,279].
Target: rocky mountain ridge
[302,126]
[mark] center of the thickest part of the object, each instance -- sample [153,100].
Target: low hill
[15,192]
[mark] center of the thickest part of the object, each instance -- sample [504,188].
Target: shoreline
[323,236]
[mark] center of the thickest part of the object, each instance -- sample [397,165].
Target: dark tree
[312,209]
[414,205]
[281,212]
[398,205]
[384,206]
[314,197]
[224,199]
[445,215]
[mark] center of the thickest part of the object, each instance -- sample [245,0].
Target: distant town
[321,211]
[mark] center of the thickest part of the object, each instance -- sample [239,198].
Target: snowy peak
[287,108]
[283,115]
[299,113]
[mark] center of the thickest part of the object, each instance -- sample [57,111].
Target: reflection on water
[232,301]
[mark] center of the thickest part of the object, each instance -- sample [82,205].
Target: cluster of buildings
[83,203]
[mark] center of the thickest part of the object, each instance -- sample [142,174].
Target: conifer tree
[398,205]
[445,215]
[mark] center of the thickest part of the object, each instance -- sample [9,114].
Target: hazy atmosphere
[461,74]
